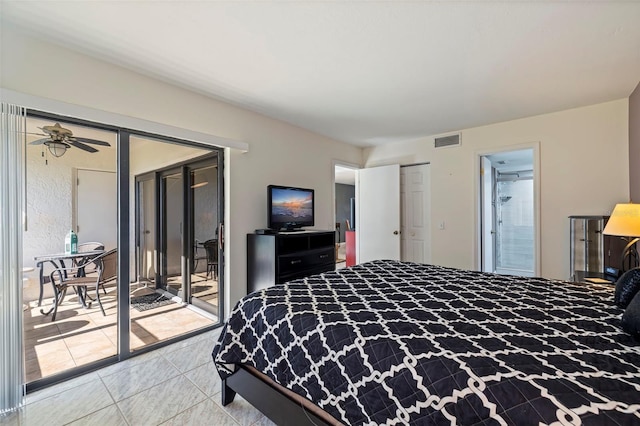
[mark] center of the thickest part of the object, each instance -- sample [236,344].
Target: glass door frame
[187,238]
[163,236]
[124,233]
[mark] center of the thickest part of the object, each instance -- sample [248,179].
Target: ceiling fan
[59,139]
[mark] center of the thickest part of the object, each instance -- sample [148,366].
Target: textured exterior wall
[49,200]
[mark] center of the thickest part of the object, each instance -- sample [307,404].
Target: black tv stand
[285,256]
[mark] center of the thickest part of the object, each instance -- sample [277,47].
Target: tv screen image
[290,208]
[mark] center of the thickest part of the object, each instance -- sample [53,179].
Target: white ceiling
[364,72]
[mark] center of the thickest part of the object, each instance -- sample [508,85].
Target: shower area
[508,218]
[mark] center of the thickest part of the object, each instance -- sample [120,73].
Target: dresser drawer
[289,263]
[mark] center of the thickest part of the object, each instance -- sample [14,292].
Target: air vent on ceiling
[451,140]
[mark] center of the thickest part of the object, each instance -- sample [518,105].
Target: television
[289,208]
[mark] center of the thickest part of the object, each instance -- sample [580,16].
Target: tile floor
[174,385]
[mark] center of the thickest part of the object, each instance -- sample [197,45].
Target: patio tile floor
[80,336]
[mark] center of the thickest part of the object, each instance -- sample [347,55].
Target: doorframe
[346,165]
[78,116]
[477,246]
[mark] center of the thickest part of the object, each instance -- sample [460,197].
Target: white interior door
[378,213]
[416,213]
[97,207]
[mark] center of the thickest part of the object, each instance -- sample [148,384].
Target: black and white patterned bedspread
[395,343]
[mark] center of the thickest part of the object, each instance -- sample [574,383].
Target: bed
[388,342]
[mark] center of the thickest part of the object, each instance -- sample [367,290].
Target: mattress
[391,343]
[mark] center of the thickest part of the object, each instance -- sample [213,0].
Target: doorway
[178,212]
[508,213]
[345,209]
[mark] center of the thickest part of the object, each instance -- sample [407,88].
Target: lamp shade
[624,221]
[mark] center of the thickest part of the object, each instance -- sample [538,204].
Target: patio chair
[105,265]
[211,247]
[199,253]
[92,246]
[87,247]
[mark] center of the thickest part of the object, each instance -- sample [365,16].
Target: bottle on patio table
[71,243]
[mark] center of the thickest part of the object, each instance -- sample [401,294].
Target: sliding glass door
[179,252]
[172,273]
[160,218]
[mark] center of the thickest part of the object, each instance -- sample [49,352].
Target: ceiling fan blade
[93,141]
[82,146]
[40,141]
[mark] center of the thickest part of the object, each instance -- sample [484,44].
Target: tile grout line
[224,410]
[114,401]
[142,390]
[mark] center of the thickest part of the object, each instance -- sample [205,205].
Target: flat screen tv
[289,208]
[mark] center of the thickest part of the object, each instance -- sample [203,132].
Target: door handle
[395,232]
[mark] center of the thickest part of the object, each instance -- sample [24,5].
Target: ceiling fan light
[57,149]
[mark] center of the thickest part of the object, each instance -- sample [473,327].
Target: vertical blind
[12,216]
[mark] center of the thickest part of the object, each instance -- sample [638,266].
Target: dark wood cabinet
[278,258]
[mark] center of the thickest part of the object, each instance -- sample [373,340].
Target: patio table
[58,261]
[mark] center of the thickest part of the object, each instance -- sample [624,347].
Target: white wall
[279,153]
[584,169]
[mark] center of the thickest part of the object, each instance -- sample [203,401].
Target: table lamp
[625,222]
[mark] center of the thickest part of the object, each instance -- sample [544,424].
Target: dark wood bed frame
[277,406]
